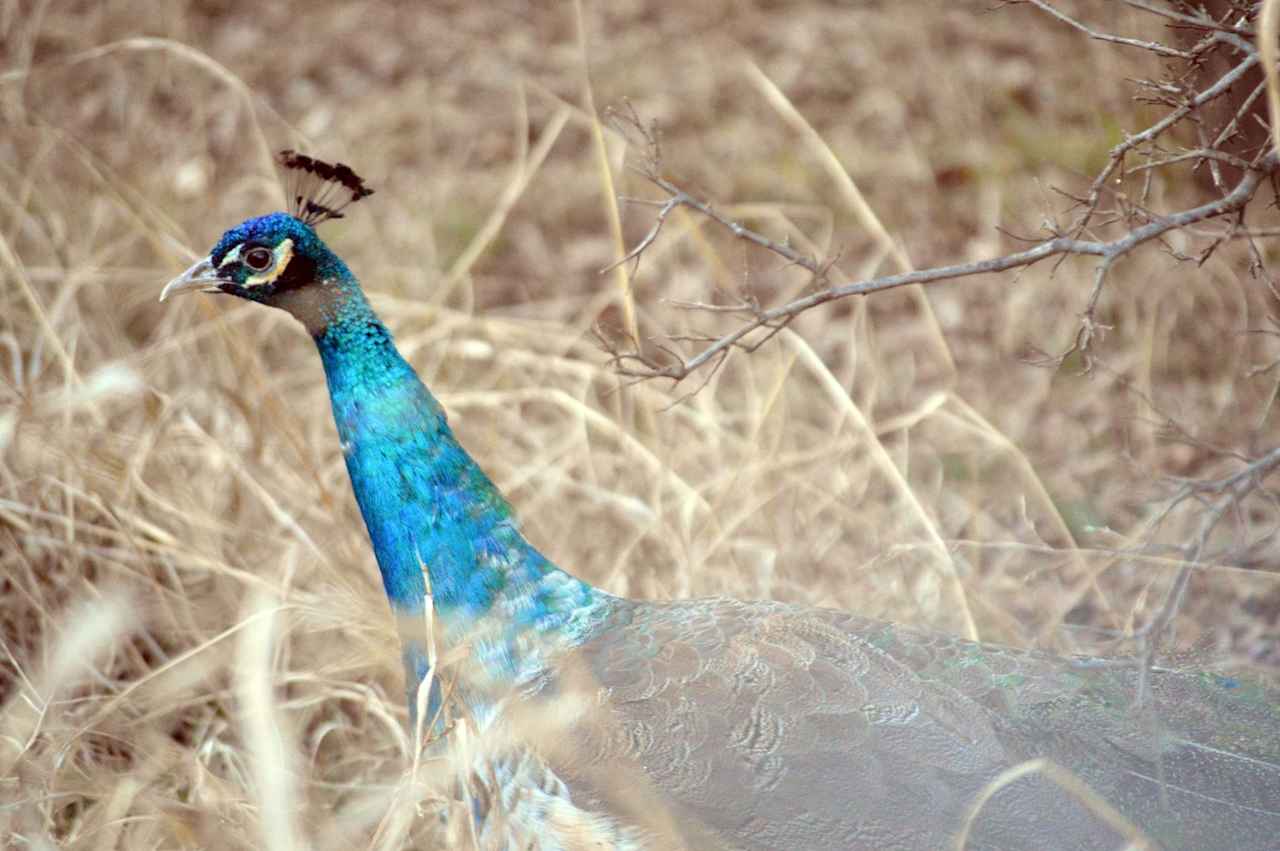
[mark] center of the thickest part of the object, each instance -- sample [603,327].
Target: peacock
[719,723]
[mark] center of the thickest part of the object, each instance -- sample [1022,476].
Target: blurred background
[176,528]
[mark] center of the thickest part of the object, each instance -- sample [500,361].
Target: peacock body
[719,723]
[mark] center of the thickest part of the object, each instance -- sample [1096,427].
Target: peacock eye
[258,259]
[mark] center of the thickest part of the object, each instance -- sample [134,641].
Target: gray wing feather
[768,726]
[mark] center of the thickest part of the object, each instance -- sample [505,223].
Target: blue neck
[427,503]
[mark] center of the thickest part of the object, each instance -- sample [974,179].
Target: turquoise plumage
[752,725]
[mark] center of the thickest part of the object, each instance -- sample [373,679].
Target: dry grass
[196,652]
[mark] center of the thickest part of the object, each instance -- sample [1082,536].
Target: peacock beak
[201,276]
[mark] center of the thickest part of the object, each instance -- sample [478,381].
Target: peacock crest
[317,187]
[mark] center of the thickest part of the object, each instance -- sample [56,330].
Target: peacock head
[278,259]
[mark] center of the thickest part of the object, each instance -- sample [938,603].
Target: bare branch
[1154,47]
[1230,492]
[1200,21]
[1116,156]
[634,254]
[1108,252]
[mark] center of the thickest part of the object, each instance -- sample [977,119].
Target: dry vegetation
[180,556]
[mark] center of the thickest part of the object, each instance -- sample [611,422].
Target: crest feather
[317,187]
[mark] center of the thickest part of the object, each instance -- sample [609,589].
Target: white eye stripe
[231,257]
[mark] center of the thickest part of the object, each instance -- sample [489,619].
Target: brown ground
[168,471]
